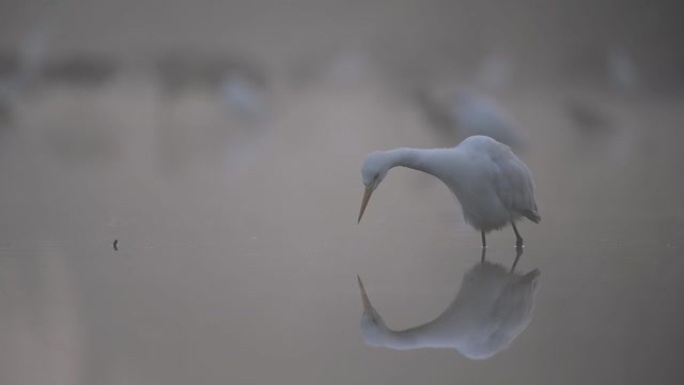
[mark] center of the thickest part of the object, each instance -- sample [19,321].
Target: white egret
[491,309]
[493,186]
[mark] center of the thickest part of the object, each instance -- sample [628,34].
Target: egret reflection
[492,308]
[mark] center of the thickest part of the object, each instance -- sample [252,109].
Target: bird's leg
[518,238]
[518,253]
[484,241]
[482,257]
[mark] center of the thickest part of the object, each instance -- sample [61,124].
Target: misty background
[221,144]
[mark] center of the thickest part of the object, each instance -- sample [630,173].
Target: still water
[238,247]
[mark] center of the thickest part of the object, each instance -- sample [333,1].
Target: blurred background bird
[621,68]
[20,71]
[464,112]
[213,108]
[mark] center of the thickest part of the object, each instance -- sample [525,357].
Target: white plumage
[493,186]
[491,309]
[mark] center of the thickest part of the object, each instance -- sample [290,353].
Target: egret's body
[491,309]
[493,186]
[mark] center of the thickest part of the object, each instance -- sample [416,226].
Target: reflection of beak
[367,307]
[364,202]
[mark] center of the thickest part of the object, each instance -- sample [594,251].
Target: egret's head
[374,170]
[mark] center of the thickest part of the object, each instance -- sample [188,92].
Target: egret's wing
[506,317]
[514,185]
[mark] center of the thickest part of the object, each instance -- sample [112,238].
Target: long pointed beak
[367,307]
[364,202]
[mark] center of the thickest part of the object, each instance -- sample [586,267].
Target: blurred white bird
[20,74]
[467,113]
[233,102]
[246,94]
[494,72]
[622,71]
[493,186]
[476,114]
[491,309]
[180,73]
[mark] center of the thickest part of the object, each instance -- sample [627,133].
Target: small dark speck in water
[116,244]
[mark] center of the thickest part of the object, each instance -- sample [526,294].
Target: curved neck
[446,331]
[398,340]
[425,160]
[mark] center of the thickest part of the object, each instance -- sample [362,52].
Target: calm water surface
[240,266]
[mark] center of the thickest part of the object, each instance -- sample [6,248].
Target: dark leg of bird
[482,257]
[518,253]
[518,238]
[484,241]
